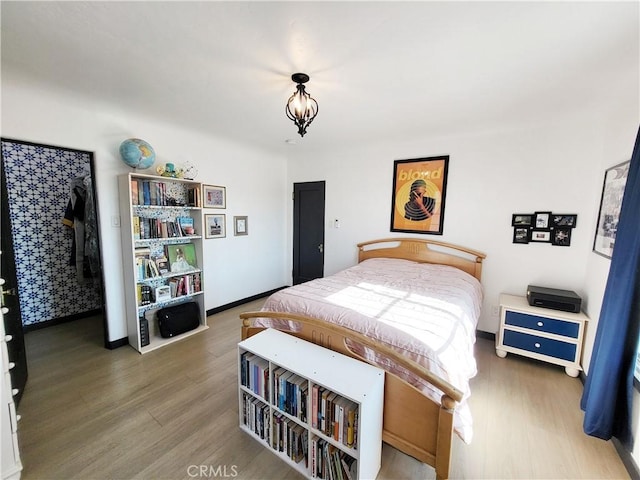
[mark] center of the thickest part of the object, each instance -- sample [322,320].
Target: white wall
[235,267]
[553,167]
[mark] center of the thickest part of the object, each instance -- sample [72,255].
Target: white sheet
[427,312]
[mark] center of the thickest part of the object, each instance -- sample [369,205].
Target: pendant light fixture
[301,108]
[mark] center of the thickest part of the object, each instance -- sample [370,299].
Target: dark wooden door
[12,317]
[308,231]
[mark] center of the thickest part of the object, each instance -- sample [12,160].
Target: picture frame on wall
[418,195]
[240,225]
[214,196]
[541,236]
[521,219]
[214,226]
[564,220]
[561,237]
[521,235]
[615,180]
[542,220]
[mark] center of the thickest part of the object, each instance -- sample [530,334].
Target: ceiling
[379,70]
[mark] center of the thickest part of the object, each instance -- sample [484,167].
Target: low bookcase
[318,410]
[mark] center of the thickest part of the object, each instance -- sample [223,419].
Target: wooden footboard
[412,422]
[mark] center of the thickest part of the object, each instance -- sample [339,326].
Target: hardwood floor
[92,413]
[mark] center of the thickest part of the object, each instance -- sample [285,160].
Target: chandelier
[301,108]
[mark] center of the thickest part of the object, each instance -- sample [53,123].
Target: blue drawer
[543,346]
[542,324]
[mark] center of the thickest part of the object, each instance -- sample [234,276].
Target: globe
[137,153]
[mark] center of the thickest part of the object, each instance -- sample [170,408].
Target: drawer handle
[537,345]
[540,324]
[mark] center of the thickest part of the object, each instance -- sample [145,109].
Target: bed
[380,312]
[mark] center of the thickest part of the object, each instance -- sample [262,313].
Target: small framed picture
[521,235]
[521,219]
[214,196]
[163,293]
[561,237]
[214,226]
[241,226]
[564,220]
[541,235]
[542,220]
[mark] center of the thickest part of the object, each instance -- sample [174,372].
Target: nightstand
[552,336]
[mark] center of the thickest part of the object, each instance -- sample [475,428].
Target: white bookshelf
[357,382]
[174,203]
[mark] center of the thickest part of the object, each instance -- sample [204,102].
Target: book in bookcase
[161,223]
[326,415]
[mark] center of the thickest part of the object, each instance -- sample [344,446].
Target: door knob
[321,248]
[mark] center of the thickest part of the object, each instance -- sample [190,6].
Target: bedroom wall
[236,267]
[555,166]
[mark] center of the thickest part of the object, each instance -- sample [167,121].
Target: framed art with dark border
[564,220]
[615,179]
[214,196]
[240,225]
[214,226]
[561,236]
[541,236]
[521,235]
[418,195]
[521,219]
[542,220]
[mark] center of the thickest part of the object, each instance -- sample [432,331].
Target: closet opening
[53,232]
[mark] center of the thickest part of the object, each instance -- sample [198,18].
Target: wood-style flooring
[92,413]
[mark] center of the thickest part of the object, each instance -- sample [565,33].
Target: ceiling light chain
[301,108]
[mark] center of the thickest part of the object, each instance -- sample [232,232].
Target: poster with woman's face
[419,187]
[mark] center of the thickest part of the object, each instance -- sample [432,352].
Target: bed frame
[412,423]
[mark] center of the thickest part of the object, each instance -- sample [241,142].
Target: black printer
[553,298]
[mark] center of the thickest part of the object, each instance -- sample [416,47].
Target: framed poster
[240,226]
[214,196]
[615,179]
[214,226]
[182,257]
[418,196]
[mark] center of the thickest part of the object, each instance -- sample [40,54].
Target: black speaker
[144,332]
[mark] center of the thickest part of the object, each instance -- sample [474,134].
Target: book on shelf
[162,262]
[141,259]
[134,191]
[145,295]
[135,221]
[194,197]
[186,225]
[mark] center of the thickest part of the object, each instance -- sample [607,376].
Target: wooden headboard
[419,250]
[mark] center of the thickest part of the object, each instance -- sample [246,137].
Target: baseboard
[57,321]
[237,303]
[121,342]
[627,459]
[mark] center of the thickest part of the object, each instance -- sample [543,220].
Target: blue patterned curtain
[608,390]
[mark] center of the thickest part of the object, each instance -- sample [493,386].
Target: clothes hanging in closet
[81,216]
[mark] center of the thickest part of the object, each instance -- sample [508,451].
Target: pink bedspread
[426,312]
